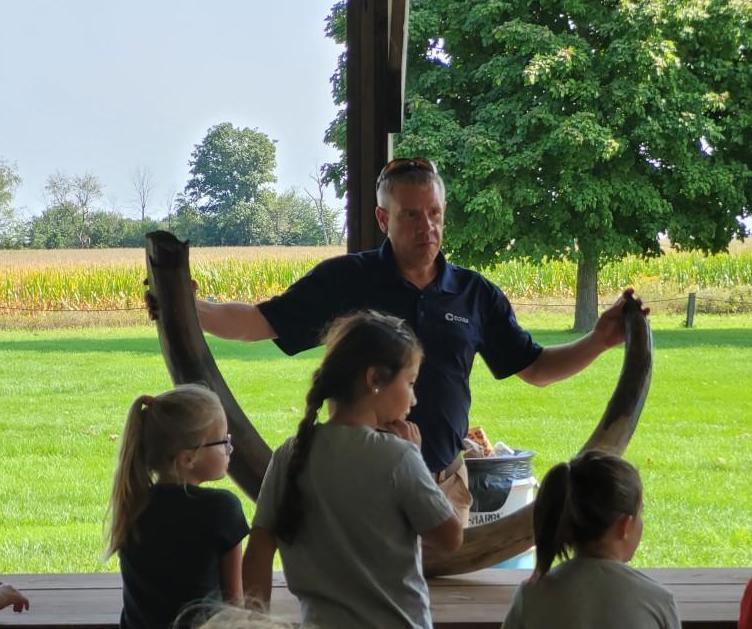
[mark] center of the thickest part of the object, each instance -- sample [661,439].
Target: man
[455,313]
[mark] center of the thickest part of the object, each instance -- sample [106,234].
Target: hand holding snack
[405,429]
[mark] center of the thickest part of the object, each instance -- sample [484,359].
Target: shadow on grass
[267,350]
[224,350]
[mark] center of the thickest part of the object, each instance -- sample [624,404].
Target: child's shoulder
[607,570]
[215,496]
[389,445]
[643,580]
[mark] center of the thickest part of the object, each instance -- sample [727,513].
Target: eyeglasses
[226,442]
[402,165]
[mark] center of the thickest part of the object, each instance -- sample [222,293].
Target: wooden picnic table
[707,598]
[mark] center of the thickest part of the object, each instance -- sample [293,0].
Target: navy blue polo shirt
[459,314]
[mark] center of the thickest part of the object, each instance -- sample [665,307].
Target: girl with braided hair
[346,501]
[591,508]
[177,542]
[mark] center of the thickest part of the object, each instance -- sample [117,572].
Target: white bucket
[522,486]
[521,493]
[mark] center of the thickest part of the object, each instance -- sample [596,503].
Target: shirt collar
[446,280]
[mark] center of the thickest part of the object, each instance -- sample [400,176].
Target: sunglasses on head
[402,165]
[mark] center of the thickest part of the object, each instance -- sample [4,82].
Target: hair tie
[147,400]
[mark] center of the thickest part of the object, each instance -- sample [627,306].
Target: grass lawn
[65,394]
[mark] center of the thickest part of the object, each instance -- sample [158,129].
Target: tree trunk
[586,308]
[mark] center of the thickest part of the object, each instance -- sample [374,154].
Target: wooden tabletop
[707,598]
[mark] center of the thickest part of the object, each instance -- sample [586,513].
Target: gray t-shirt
[356,560]
[589,593]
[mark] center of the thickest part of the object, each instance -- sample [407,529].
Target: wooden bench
[707,598]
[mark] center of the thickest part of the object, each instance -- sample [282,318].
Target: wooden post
[376,57]
[367,140]
[691,309]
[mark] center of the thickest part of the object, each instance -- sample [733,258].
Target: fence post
[691,309]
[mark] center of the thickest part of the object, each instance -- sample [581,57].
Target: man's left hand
[609,329]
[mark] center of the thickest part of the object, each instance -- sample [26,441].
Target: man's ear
[382,218]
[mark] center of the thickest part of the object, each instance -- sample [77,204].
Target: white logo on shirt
[456,318]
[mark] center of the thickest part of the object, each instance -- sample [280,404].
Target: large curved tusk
[491,543]
[188,357]
[189,360]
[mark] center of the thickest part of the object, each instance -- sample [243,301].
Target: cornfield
[668,274]
[112,279]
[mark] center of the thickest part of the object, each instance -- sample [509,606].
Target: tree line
[228,200]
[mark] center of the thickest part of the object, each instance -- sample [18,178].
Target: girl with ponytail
[346,501]
[177,542]
[588,512]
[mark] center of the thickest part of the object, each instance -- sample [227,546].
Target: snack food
[477,435]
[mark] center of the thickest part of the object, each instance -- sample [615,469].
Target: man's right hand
[151,303]
[152,306]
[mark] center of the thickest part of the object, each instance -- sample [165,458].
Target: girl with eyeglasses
[347,501]
[177,542]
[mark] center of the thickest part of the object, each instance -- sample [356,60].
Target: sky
[109,86]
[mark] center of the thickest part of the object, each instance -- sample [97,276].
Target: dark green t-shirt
[172,557]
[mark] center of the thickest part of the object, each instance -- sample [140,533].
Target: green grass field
[65,394]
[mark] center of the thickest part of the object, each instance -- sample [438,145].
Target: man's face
[414,223]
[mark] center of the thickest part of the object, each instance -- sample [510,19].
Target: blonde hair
[238,618]
[156,431]
[224,616]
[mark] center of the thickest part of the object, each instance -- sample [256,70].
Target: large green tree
[230,171]
[583,128]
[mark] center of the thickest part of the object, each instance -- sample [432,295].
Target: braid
[291,510]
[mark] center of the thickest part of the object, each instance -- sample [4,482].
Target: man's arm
[562,361]
[236,321]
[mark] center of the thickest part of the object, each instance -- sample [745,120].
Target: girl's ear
[186,459]
[624,526]
[372,379]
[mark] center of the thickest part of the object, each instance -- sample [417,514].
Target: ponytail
[549,518]
[130,488]
[291,510]
[579,501]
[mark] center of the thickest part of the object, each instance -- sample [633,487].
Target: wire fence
[691,300]
[61,309]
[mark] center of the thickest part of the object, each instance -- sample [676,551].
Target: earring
[375,390]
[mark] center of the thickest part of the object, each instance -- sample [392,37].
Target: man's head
[411,201]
